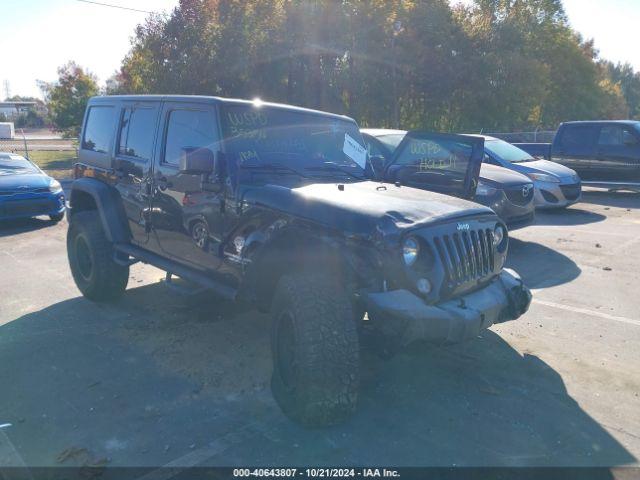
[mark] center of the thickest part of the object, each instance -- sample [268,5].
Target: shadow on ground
[568,216]
[540,266]
[23,225]
[152,379]
[612,199]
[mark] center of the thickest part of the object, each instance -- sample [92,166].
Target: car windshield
[14,164]
[289,141]
[391,141]
[507,152]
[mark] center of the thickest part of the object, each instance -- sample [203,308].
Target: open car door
[438,162]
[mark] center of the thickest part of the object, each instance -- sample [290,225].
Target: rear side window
[189,129]
[577,137]
[98,129]
[136,132]
[616,136]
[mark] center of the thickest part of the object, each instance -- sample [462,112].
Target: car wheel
[315,351]
[57,217]
[90,253]
[200,234]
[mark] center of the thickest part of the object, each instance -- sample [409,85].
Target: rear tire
[90,253]
[315,351]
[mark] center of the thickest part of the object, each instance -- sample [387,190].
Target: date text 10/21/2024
[317,472]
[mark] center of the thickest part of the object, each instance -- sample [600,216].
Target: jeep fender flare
[107,201]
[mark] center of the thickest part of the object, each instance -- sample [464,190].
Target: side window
[98,129]
[188,128]
[136,132]
[578,138]
[611,135]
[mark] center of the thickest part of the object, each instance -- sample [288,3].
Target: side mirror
[196,160]
[377,164]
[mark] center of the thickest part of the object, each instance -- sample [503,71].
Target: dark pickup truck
[603,153]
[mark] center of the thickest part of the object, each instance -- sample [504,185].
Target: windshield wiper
[275,168]
[334,167]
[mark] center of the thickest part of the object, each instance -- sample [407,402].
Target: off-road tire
[94,270]
[316,382]
[57,217]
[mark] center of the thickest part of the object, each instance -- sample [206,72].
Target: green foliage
[494,65]
[67,98]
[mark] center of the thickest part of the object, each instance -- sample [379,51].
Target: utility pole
[7,89]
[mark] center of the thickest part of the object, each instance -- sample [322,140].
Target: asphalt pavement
[159,379]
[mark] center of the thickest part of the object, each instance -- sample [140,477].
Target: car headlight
[485,189]
[54,186]
[543,177]
[410,251]
[499,237]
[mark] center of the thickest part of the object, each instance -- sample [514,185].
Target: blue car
[26,191]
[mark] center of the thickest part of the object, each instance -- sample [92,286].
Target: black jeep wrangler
[271,204]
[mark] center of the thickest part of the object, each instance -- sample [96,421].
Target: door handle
[163,183]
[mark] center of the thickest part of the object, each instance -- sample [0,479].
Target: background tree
[67,98]
[493,65]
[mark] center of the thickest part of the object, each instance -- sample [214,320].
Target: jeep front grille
[466,255]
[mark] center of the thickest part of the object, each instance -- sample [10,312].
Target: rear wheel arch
[89,194]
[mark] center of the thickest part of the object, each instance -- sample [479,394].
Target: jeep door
[185,218]
[137,127]
[438,162]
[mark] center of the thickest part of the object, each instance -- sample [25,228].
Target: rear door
[137,128]
[438,162]
[575,148]
[618,154]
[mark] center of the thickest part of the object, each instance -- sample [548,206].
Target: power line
[115,6]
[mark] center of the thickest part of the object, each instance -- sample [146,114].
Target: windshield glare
[506,151]
[297,140]
[16,164]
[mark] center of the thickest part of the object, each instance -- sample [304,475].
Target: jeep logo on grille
[526,190]
[463,226]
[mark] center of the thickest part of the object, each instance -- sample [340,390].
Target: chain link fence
[538,136]
[55,156]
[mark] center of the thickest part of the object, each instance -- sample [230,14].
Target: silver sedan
[556,186]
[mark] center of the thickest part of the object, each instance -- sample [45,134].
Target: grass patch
[58,164]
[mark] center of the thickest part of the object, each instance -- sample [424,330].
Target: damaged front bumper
[403,318]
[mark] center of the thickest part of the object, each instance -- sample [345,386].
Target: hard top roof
[211,99]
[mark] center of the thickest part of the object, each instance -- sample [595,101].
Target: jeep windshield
[292,142]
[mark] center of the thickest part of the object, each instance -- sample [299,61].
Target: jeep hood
[364,208]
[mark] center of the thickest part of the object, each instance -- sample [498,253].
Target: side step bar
[174,268]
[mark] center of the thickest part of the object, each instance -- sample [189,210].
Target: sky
[37,36]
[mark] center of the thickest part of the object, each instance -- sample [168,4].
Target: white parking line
[9,457]
[585,311]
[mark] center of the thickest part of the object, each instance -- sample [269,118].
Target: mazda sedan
[26,191]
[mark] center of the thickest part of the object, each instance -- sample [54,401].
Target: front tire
[90,253]
[57,217]
[315,351]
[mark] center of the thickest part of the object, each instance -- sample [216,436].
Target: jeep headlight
[54,186]
[499,235]
[410,251]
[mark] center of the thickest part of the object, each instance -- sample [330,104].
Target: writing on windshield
[296,139]
[434,155]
